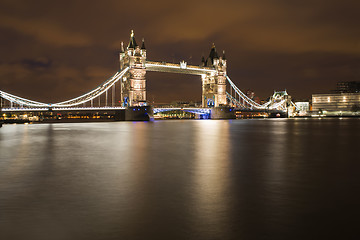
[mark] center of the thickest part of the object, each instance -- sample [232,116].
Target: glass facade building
[336,102]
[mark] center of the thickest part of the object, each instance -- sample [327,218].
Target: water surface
[181,179]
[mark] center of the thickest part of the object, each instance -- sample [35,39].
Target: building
[347,87]
[336,103]
[303,108]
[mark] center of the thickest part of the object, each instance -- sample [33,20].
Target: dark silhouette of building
[348,87]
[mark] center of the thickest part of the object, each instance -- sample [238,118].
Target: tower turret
[122,47]
[122,55]
[143,44]
[143,48]
[203,63]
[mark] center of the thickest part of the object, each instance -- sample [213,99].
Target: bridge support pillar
[140,113]
[224,112]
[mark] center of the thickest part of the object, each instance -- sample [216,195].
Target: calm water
[200,179]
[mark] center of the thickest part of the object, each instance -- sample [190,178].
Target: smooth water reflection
[208,179]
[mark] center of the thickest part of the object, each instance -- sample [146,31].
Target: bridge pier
[140,113]
[222,113]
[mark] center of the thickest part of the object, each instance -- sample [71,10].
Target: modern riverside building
[336,103]
[303,108]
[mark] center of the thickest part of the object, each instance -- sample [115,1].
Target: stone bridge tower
[133,84]
[214,85]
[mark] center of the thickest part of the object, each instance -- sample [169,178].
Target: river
[181,179]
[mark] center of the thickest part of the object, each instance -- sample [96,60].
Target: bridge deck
[61,109]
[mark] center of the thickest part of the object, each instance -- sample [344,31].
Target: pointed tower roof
[213,54]
[132,42]
[143,45]
[223,56]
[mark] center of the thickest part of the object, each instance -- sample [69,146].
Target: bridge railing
[191,110]
[21,101]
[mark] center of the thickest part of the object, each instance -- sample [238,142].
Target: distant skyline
[56,50]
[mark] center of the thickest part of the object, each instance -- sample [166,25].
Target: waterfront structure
[336,103]
[220,95]
[303,108]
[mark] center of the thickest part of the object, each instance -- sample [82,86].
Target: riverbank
[94,120]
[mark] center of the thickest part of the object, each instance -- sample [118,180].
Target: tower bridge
[220,95]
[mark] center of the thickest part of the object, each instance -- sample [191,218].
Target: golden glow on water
[211,176]
[20,163]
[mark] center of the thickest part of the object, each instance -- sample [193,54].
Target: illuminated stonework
[133,84]
[214,85]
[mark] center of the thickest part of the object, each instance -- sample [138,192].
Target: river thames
[181,179]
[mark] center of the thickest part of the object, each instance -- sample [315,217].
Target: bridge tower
[133,84]
[214,85]
[281,101]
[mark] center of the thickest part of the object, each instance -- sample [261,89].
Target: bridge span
[126,89]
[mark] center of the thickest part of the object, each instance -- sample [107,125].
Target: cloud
[45,31]
[40,62]
[270,44]
[51,84]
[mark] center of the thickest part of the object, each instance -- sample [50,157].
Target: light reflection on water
[208,179]
[211,178]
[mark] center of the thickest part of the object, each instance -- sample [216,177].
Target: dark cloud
[39,63]
[53,50]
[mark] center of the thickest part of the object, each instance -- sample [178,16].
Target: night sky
[55,50]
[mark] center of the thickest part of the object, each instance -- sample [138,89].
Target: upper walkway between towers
[182,67]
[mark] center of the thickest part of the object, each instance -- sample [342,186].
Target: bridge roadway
[62,109]
[97,109]
[122,113]
[133,113]
[102,110]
